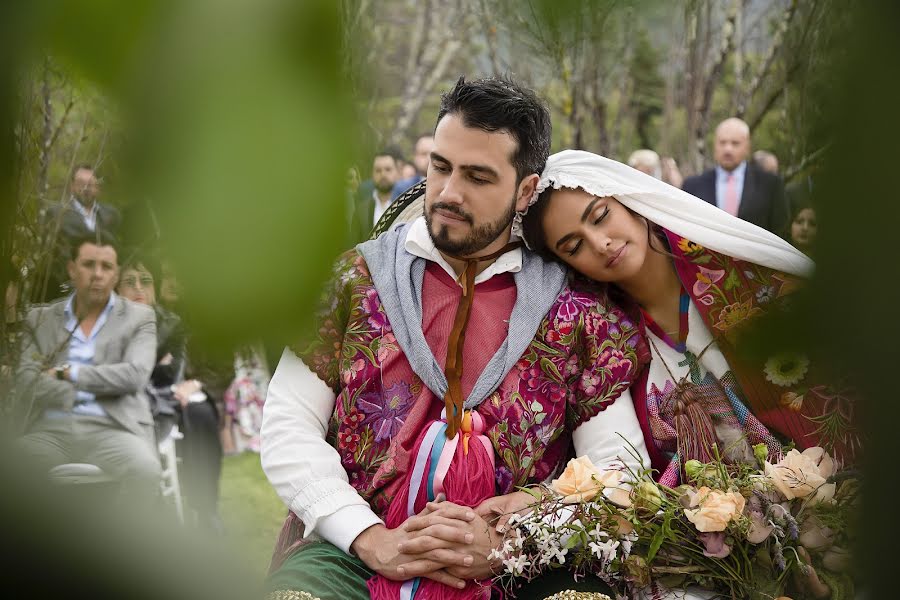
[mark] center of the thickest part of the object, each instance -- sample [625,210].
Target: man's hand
[501,508]
[429,525]
[387,551]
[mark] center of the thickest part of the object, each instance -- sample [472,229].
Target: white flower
[786,369]
[605,551]
[598,533]
[627,541]
[516,566]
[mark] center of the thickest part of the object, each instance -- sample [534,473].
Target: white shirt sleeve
[304,469]
[613,437]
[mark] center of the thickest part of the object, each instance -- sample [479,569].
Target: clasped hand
[445,542]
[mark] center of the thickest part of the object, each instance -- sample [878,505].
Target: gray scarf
[398,277]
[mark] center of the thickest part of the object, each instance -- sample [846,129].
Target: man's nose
[451,191]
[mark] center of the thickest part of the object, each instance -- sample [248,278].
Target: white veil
[671,208]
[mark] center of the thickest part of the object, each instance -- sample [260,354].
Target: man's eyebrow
[590,207]
[477,168]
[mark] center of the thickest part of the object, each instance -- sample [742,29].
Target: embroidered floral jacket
[585,354]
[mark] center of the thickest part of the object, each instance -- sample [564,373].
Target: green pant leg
[319,571]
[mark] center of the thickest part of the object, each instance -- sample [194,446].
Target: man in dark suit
[79,216]
[739,186]
[375,195]
[86,361]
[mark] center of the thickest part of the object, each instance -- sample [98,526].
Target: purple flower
[371,304]
[385,412]
[504,480]
[569,305]
[714,544]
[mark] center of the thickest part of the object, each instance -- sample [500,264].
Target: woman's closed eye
[602,216]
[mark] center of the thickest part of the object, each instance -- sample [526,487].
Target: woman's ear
[526,190]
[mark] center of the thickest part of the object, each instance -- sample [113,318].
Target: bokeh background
[224,130]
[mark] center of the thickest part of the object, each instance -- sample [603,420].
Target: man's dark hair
[98,238]
[82,167]
[500,104]
[392,152]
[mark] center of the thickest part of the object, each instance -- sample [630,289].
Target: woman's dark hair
[532,228]
[136,259]
[800,204]
[500,104]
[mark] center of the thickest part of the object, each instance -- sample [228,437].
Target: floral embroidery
[705,279]
[689,248]
[734,314]
[786,369]
[730,294]
[386,412]
[584,354]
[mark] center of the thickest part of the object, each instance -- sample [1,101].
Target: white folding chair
[170,486]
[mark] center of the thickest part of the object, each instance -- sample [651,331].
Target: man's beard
[480,236]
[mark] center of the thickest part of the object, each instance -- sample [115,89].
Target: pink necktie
[731,195]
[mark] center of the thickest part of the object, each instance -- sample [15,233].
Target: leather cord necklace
[453,399]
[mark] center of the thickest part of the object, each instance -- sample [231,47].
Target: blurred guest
[85,363]
[646,161]
[803,227]
[407,171]
[421,158]
[649,162]
[766,161]
[737,186]
[80,215]
[671,174]
[187,400]
[369,208]
[245,397]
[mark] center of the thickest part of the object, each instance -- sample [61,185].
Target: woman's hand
[183,391]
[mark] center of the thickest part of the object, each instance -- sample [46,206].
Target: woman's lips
[617,257]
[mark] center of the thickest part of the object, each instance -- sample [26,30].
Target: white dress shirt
[306,471]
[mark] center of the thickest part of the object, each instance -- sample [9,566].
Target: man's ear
[71,269]
[526,191]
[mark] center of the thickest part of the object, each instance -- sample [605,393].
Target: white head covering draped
[671,208]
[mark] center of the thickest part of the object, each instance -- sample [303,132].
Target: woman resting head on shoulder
[695,277]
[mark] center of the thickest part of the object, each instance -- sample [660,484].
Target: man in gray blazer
[86,360]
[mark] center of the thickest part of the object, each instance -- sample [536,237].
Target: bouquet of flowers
[738,530]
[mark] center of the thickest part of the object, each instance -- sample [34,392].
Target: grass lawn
[250,509]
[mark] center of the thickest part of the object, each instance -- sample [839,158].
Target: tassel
[694,429]
[469,481]
[289,539]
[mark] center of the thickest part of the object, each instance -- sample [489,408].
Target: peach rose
[714,509]
[581,482]
[801,474]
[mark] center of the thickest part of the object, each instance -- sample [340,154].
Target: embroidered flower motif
[689,248]
[387,345]
[357,366]
[348,440]
[385,412]
[570,304]
[792,401]
[371,304]
[353,418]
[706,278]
[765,294]
[734,314]
[786,369]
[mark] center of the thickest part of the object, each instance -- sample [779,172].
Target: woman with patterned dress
[694,278]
